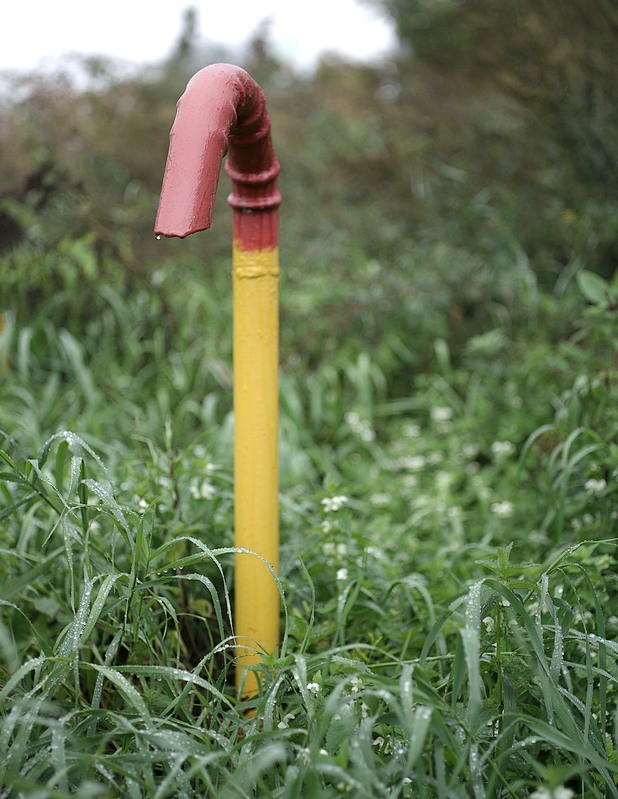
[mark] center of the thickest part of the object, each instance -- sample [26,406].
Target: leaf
[30,665]
[418,734]
[28,577]
[171,673]
[594,288]
[130,693]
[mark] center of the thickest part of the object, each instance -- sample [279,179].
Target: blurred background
[446,166]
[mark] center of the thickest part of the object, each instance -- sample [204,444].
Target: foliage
[449,469]
[556,60]
[447,567]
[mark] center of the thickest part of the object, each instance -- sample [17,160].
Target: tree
[557,59]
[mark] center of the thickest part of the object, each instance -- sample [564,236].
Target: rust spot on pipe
[221,111]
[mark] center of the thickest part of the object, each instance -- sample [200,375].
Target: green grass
[449,621]
[448,441]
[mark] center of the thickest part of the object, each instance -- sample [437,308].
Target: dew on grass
[473,606]
[558,653]
[79,623]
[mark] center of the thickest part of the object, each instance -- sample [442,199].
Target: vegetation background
[449,450]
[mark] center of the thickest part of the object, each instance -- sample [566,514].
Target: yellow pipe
[256,343]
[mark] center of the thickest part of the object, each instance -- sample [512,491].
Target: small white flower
[595,486]
[203,490]
[356,685]
[323,752]
[386,746]
[359,426]
[581,383]
[502,509]
[489,623]
[333,504]
[582,616]
[142,505]
[284,724]
[314,687]
[470,450]
[414,463]
[557,793]
[411,430]
[441,414]
[342,574]
[330,549]
[380,500]
[502,448]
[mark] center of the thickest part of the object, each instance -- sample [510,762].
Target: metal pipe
[223,111]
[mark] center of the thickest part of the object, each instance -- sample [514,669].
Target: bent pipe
[222,111]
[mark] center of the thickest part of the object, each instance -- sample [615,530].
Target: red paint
[222,111]
[256,231]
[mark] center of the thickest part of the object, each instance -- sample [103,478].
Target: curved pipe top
[221,111]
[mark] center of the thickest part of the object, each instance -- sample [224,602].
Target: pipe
[224,111]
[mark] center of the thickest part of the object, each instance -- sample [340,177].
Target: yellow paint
[256,467]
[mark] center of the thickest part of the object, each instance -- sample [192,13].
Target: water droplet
[158,237]
[473,606]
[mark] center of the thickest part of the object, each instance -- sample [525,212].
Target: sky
[35,34]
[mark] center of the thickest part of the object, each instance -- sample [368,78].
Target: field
[448,480]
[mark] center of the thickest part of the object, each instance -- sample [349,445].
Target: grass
[448,565]
[448,452]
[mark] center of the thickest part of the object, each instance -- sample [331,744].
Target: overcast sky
[35,33]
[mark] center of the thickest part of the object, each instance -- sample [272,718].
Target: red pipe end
[221,111]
